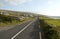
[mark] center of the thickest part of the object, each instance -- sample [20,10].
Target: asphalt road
[28,30]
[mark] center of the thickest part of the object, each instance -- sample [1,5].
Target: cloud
[16,2]
[51,12]
[51,1]
[1,4]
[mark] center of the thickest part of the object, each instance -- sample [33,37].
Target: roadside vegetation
[8,18]
[50,27]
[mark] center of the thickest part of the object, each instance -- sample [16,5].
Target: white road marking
[21,30]
[40,35]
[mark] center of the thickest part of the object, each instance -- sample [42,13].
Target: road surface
[28,30]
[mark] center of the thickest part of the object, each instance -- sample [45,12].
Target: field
[53,22]
[51,27]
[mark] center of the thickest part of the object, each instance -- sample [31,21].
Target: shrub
[49,31]
[4,18]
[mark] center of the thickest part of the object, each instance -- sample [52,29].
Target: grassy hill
[8,17]
[17,13]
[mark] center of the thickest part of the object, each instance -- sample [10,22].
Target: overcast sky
[45,7]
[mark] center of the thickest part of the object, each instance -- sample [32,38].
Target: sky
[45,7]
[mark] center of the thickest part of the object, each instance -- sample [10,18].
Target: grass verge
[51,28]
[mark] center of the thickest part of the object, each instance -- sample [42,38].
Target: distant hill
[16,13]
[54,17]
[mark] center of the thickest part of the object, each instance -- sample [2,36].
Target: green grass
[9,21]
[13,23]
[50,21]
[54,23]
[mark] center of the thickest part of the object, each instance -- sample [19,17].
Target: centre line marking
[21,30]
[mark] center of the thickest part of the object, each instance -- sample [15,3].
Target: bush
[49,31]
[4,18]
